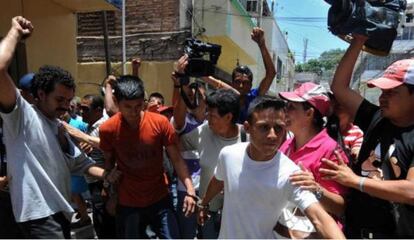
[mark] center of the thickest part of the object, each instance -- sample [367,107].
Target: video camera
[202,57]
[376,19]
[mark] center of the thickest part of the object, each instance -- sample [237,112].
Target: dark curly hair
[226,101]
[48,76]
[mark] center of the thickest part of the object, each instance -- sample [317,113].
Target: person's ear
[228,117]
[41,94]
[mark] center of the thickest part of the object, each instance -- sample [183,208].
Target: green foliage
[327,61]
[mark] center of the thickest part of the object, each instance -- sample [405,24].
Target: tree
[327,61]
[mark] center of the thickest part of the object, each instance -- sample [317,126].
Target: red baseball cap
[315,94]
[396,74]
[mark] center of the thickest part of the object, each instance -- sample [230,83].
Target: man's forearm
[343,73]
[7,48]
[96,171]
[214,187]
[270,70]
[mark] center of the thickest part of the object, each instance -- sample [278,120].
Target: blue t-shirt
[79,124]
[254,92]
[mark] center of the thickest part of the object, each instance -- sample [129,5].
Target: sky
[314,29]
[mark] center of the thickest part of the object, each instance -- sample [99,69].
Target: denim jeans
[187,225]
[56,226]
[211,227]
[159,215]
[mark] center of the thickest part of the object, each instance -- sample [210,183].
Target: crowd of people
[231,162]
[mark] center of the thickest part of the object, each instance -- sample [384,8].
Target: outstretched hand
[258,36]
[23,26]
[339,172]
[304,179]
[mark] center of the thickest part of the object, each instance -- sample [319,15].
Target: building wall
[54,38]
[153,31]
[156,77]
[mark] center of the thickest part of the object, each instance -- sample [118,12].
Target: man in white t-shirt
[255,178]
[208,139]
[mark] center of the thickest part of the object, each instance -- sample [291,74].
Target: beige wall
[156,77]
[54,38]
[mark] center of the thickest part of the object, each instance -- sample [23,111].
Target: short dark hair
[96,101]
[243,70]
[225,101]
[157,95]
[48,76]
[261,103]
[129,87]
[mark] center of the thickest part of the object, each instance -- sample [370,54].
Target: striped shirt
[353,137]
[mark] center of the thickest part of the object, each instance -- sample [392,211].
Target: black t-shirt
[387,152]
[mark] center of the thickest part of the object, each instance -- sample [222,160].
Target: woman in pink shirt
[307,107]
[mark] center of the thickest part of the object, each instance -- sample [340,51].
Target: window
[251,6]
[279,69]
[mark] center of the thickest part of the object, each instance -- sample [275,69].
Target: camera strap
[188,103]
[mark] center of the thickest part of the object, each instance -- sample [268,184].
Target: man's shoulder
[111,123]
[235,148]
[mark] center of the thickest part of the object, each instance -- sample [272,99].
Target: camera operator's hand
[360,38]
[258,36]
[175,79]
[182,64]
[23,26]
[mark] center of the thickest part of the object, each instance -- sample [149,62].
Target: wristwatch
[319,193]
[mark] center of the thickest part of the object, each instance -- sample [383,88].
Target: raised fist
[23,26]
[258,36]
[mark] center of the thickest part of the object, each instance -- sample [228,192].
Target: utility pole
[123,39]
[305,49]
[260,15]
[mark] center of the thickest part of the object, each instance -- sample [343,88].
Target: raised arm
[20,28]
[258,36]
[342,78]
[136,64]
[110,106]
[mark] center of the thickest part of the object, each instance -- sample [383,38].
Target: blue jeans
[211,227]
[159,215]
[187,225]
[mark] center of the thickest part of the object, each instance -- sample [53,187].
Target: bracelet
[361,183]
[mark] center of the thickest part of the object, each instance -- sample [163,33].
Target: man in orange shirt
[134,140]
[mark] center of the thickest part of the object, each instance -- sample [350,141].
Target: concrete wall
[156,77]
[54,38]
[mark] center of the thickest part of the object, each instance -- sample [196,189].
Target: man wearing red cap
[380,203]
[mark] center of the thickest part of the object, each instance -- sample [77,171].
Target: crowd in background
[231,162]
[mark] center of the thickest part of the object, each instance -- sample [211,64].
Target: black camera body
[376,19]
[202,57]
